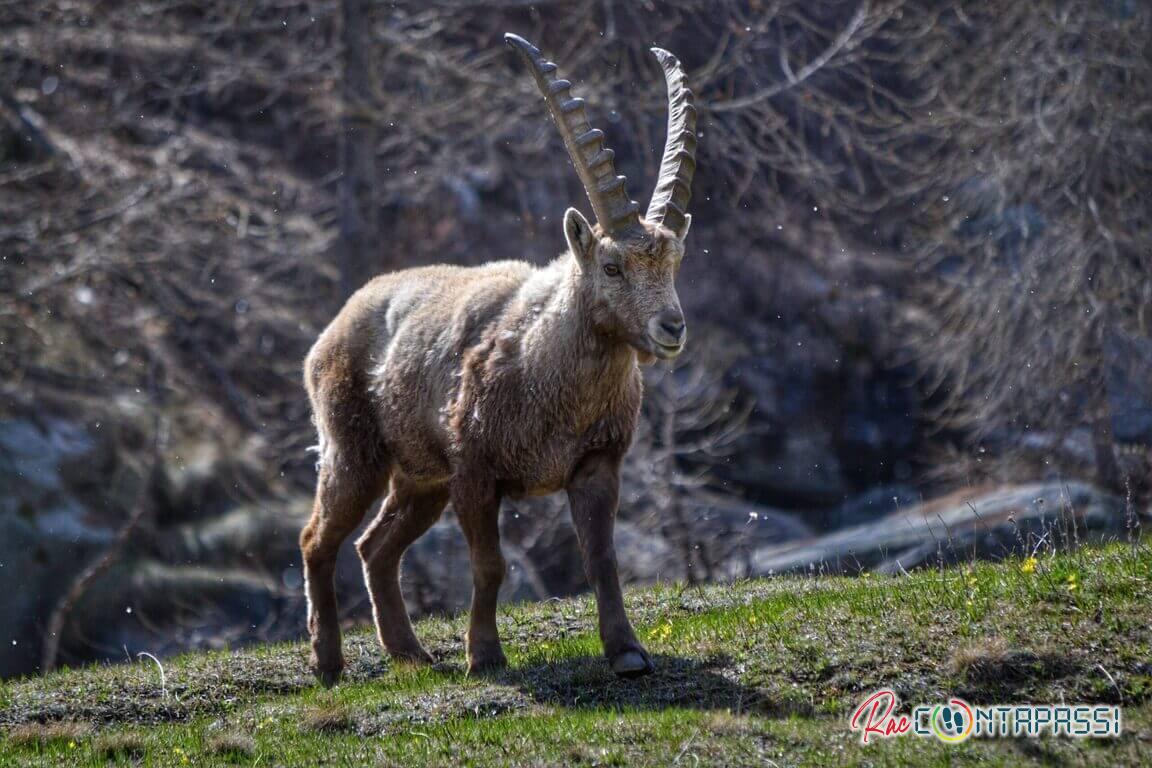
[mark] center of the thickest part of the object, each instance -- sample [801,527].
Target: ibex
[464,385]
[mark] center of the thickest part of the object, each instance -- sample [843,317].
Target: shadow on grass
[586,682]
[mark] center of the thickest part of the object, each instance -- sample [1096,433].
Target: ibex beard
[465,385]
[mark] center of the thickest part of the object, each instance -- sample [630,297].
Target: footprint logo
[952,722]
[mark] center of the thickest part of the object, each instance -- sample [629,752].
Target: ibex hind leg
[406,515]
[353,473]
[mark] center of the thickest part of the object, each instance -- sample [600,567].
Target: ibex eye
[612,270]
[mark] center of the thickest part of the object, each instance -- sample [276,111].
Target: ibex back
[464,385]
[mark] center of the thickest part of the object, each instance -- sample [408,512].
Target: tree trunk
[1108,473]
[359,232]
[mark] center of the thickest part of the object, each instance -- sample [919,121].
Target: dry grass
[127,745]
[993,662]
[974,656]
[230,746]
[329,717]
[39,734]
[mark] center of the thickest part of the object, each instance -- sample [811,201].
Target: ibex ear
[683,233]
[578,233]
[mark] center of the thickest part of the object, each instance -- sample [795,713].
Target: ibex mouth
[666,351]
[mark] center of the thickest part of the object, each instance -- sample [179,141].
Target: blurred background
[918,286]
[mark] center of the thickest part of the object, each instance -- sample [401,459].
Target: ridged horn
[674,187]
[614,209]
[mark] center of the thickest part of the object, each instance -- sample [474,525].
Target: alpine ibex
[456,384]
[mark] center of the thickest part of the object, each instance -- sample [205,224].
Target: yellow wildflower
[1028,566]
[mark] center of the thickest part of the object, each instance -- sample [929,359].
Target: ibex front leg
[593,494]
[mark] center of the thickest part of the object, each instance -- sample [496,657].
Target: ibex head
[629,263]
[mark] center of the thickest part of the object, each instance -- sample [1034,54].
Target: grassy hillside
[755,673]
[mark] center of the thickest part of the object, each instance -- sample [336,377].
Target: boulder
[868,506]
[46,534]
[977,523]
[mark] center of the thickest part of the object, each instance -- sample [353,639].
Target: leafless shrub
[1036,234]
[692,421]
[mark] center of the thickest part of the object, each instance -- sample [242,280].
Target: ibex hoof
[417,657]
[631,664]
[329,676]
[486,660]
[327,663]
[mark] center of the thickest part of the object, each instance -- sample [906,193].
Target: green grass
[754,673]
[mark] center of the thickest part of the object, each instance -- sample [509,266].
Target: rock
[727,531]
[868,506]
[46,535]
[1130,388]
[837,411]
[732,529]
[792,467]
[985,523]
[202,480]
[263,533]
[31,457]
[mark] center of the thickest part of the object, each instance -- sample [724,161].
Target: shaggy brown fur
[467,385]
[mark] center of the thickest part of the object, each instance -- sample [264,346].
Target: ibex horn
[614,210]
[674,187]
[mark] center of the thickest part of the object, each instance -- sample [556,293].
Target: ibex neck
[584,361]
[587,340]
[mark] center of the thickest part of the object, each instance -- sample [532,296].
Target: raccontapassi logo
[955,720]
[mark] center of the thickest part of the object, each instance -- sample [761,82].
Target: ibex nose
[674,326]
[670,323]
